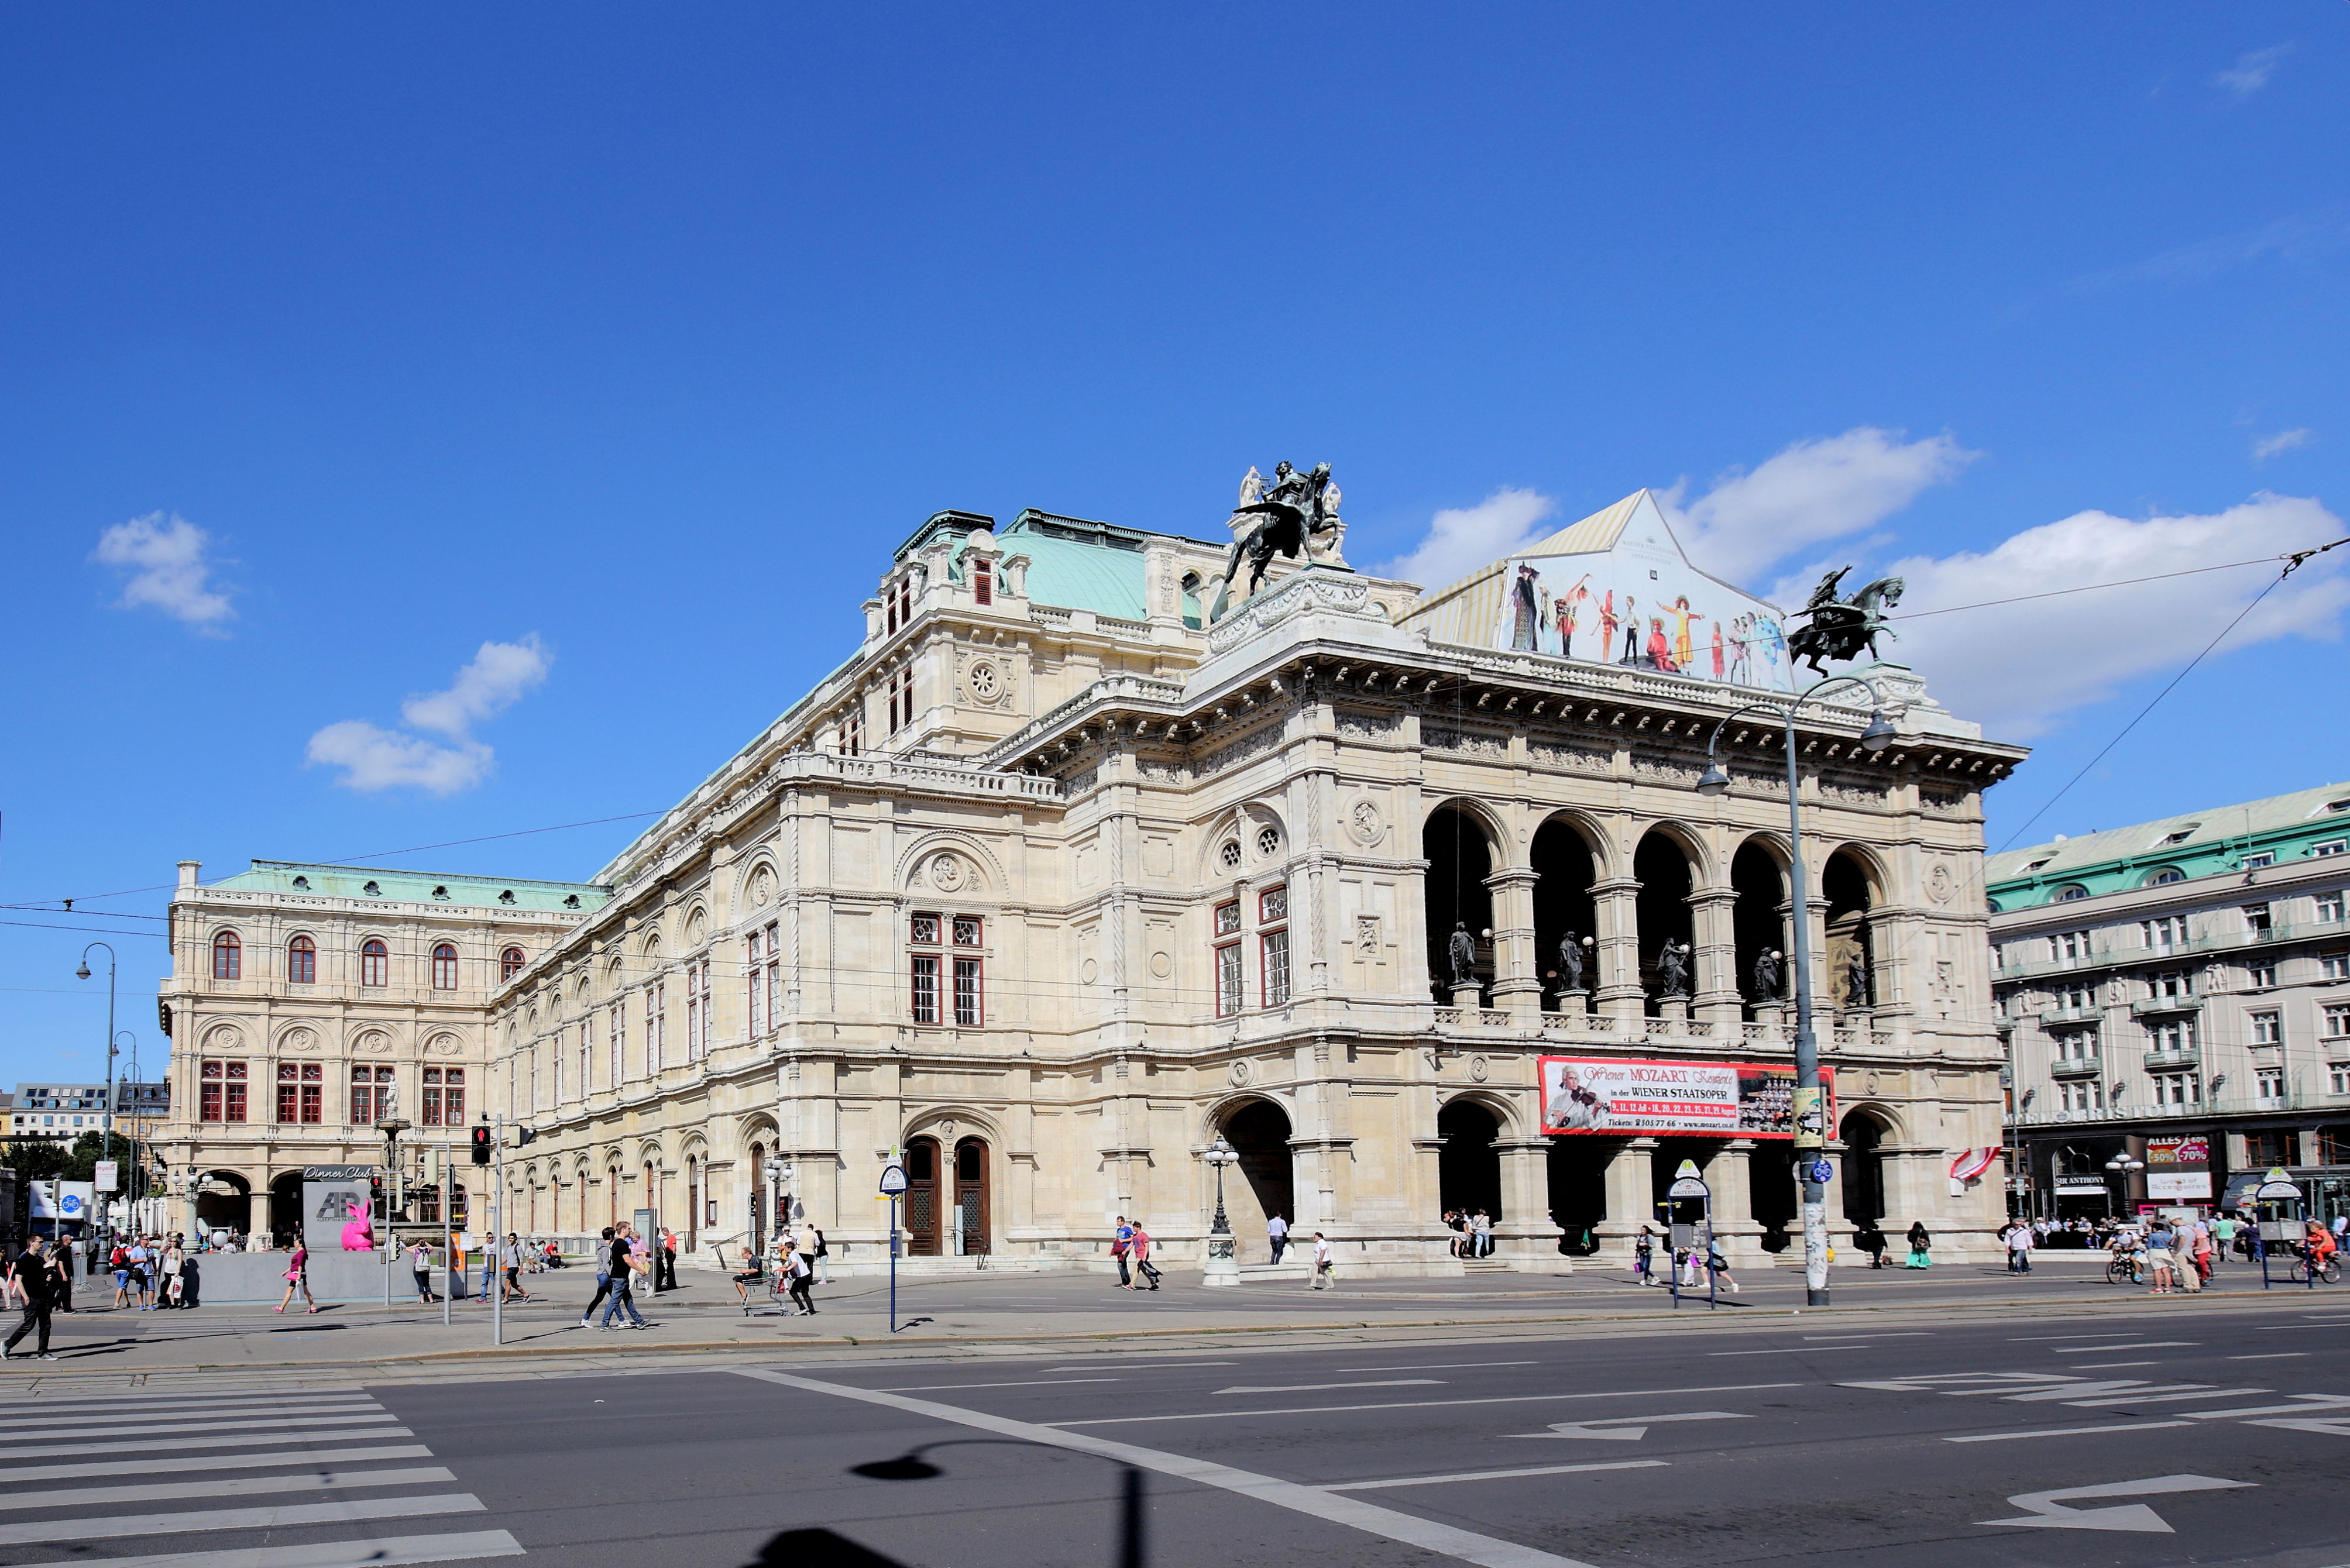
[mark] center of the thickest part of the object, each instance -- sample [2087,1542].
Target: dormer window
[571,900]
[301,884]
[440,893]
[2036,864]
[372,892]
[507,897]
[2182,836]
[899,597]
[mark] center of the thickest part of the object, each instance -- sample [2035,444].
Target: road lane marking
[1905,1334]
[2303,1405]
[2065,1432]
[224,1486]
[2143,1344]
[1316,1387]
[2152,1398]
[1440,1366]
[340,1554]
[27,1435]
[1033,1382]
[252,1441]
[1485,1550]
[1787,1350]
[2046,1510]
[222,1411]
[278,1518]
[290,1398]
[1493,1475]
[1421,1403]
[2271,1355]
[209,1462]
[1152,1365]
[2109,1366]
[1615,1429]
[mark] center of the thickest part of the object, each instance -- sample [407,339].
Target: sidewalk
[1009,1313]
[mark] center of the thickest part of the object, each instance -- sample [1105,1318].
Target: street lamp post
[1223,1265]
[1810,1114]
[82,972]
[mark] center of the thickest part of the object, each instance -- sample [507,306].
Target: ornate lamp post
[1222,1266]
[1811,1113]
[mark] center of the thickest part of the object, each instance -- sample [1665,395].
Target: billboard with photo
[1633,1097]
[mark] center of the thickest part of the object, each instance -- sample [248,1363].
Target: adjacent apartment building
[2175,990]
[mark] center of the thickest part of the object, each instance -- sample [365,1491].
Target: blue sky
[335,346]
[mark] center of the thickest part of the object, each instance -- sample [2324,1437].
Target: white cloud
[1462,539]
[1813,490]
[2301,239]
[500,673]
[2268,447]
[373,758]
[2252,72]
[2016,667]
[168,568]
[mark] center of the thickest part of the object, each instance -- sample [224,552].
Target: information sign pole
[1685,1240]
[893,1188]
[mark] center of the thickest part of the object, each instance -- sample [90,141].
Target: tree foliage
[39,1159]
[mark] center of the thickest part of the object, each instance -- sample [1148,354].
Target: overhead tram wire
[2291,558]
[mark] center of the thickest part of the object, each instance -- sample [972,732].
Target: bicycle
[2124,1271]
[2328,1273]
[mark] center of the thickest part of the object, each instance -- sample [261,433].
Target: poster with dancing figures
[1716,1099]
[1641,606]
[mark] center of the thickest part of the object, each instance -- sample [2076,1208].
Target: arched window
[509,963]
[302,961]
[375,962]
[444,966]
[2067,895]
[228,956]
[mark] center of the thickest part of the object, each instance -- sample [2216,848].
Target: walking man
[624,1264]
[33,1281]
[1276,1232]
[603,1278]
[1321,1280]
[667,1279]
[509,1263]
[1118,1250]
[1142,1246]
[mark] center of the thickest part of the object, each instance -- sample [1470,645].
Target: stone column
[1714,963]
[1731,1177]
[1525,1235]
[1630,1200]
[1617,985]
[1517,981]
[256,1222]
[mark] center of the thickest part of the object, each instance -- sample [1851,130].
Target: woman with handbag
[297,1279]
[1921,1246]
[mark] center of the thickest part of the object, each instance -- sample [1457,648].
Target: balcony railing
[2077,1067]
[2056,1017]
[2171,1061]
[2201,1110]
[2148,1006]
[2279,934]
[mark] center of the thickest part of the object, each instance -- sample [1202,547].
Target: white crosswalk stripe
[321,1441]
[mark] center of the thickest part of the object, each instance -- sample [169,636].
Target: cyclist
[2317,1245]
[2123,1253]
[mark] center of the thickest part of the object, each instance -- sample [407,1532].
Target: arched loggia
[1468,1166]
[1459,861]
[1662,868]
[1258,1131]
[1565,869]
[1759,925]
[1850,959]
[1864,1168]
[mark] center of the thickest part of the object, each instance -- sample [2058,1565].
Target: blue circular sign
[70,1203]
[1821,1172]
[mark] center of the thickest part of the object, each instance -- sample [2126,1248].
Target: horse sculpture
[1840,629]
[1294,507]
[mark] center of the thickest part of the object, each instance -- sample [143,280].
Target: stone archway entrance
[1258,1131]
[1469,1167]
[234,1210]
[285,1205]
[1864,1170]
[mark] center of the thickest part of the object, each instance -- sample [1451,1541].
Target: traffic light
[374,1197]
[480,1146]
[518,1135]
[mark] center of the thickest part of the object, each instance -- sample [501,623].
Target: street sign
[893,1179]
[1819,1170]
[105,1177]
[1811,1123]
[1688,1183]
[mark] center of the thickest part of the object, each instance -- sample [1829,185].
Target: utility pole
[83,973]
[497,1228]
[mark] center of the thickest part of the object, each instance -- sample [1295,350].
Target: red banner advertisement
[1677,1099]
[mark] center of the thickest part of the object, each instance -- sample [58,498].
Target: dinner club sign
[1680,1100]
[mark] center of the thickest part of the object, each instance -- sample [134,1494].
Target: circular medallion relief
[377,1042]
[300,1040]
[985,681]
[1939,884]
[762,886]
[1479,1069]
[946,873]
[1363,822]
[947,1127]
[1089,971]
[1240,1072]
[223,1038]
[1161,965]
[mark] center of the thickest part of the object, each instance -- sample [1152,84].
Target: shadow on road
[818,1548]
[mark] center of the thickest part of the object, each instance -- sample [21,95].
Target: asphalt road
[2178,1431]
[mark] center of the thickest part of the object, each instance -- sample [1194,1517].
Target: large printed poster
[2178,1170]
[1641,604]
[1681,1099]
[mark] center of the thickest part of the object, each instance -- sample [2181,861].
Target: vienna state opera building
[1084,857]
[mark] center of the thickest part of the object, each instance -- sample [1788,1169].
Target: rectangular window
[289,1092]
[966,932]
[587,1054]
[2076,1044]
[923,931]
[314,1094]
[2172,984]
[1275,954]
[2177,1088]
[754,987]
[2261,976]
[926,987]
[2259,862]
[774,980]
[616,1036]
[657,1026]
[901,700]
[452,1097]
[2068,947]
[2337,1022]
[2335,847]
[966,991]
[363,1097]
[852,733]
[428,1111]
[2329,966]
[2337,1081]
[2268,1084]
[2079,998]
[2330,907]
[2257,920]
[2268,1028]
[2164,933]
[982,582]
[693,1016]
[554,1065]
[701,989]
[2082,1096]
[2171,1035]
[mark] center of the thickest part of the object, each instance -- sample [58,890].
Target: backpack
[121,1258]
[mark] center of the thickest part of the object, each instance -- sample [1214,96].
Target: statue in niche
[1462,949]
[1672,971]
[1856,980]
[1766,975]
[1570,962]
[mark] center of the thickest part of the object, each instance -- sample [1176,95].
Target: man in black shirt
[36,1276]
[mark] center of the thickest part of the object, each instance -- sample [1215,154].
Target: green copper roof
[298,877]
[2193,844]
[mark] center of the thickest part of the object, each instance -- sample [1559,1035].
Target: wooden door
[925,1216]
[970,1195]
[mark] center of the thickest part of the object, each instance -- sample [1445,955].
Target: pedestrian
[297,1278]
[1141,1250]
[61,1259]
[751,1274]
[32,1281]
[489,1268]
[167,1295]
[1276,1234]
[2019,1249]
[1644,1256]
[2159,1242]
[798,1277]
[1481,1228]
[1871,1241]
[603,1277]
[1322,1275]
[821,1255]
[119,1260]
[625,1265]
[1458,1223]
[2197,1264]
[666,1279]
[2223,1237]
[1719,1267]
[141,1284]
[510,1261]
[420,1263]
[1921,1246]
[1118,1250]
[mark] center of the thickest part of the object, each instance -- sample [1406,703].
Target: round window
[1230,855]
[985,683]
[1268,841]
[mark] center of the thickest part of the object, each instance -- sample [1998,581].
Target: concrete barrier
[235,1279]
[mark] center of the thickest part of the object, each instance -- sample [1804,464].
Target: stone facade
[1049,885]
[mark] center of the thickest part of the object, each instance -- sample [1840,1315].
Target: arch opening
[1662,868]
[1759,926]
[1564,912]
[1468,1166]
[1851,963]
[1258,1131]
[1864,1170]
[1459,861]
